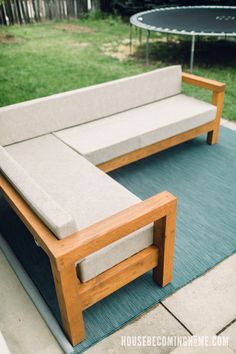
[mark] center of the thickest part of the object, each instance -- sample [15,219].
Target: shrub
[129,7]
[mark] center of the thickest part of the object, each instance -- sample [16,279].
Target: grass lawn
[41,59]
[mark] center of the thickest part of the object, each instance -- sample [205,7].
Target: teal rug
[203,178]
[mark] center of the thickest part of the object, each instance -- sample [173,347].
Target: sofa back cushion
[59,221]
[29,119]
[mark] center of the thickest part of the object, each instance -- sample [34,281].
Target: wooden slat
[154,148]
[203,82]
[217,100]
[111,229]
[81,244]
[164,239]
[67,289]
[118,276]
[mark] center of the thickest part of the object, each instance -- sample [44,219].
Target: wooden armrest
[64,253]
[203,82]
[89,240]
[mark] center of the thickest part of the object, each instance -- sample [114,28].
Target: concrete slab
[231,333]
[3,346]
[23,328]
[203,350]
[157,322]
[209,302]
[216,345]
[228,124]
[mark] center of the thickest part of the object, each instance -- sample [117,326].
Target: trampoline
[187,20]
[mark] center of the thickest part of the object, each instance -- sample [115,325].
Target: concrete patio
[205,307]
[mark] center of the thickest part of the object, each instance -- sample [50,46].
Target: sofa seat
[84,192]
[105,139]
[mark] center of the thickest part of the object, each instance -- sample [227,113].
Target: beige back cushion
[29,119]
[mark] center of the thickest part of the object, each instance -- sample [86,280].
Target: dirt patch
[74,28]
[120,51]
[80,45]
[6,38]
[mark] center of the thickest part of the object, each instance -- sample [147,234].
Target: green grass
[41,59]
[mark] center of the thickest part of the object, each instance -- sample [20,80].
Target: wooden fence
[29,11]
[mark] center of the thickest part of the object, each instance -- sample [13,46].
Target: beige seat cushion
[107,138]
[85,192]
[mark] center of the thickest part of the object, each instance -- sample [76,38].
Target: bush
[129,7]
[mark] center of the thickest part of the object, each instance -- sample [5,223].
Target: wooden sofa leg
[213,136]
[217,100]
[67,286]
[164,237]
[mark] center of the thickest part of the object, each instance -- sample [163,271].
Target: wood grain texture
[67,289]
[218,89]
[218,101]
[118,276]
[109,230]
[164,239]
[79,245]
[203,82]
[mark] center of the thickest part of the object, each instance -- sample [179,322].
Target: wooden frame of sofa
[73,296]
[212,128]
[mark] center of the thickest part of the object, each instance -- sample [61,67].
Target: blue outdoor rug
[203,178]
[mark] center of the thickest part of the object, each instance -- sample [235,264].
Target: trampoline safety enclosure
[187,20]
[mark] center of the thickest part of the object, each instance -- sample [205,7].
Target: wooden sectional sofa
[98,235]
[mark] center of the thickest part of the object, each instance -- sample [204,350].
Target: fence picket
[27,11]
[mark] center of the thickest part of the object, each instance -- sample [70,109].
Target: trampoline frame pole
[192,53]
[130,38]
[147,47]
[140,36]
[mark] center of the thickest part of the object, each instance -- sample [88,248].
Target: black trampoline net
[209,20]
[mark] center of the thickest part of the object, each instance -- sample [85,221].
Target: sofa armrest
[87,241]
[199,81]
[218,91]
[56,218]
